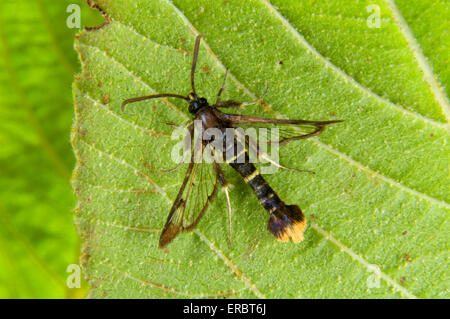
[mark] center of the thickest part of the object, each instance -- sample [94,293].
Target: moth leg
[174,126]
[225,186]
[173,168]
[229,104]
[254,147]
[222,88]
[235,104]
[258,99]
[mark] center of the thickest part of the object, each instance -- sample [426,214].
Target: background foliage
[37,64]
[377,208]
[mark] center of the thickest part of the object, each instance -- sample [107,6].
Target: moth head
[196,103]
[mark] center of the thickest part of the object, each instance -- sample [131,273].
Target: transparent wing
[285,132]
[275,130]
[197,191]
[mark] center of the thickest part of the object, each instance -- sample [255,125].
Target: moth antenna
[194,61]
[153,96]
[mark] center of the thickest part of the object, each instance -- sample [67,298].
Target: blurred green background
[37,66]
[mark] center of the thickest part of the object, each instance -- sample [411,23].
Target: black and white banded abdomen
[286,221]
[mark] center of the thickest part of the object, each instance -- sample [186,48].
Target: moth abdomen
[286,221]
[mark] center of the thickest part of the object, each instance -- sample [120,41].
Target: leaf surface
[377,206]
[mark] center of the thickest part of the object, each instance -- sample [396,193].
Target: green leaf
[37,63]
[377,207]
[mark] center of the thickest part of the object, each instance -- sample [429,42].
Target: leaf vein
[344,75]
[137,171]
[115,115]
[134,76]
[230,264]
[377,175]
[372,268]
[172,289]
